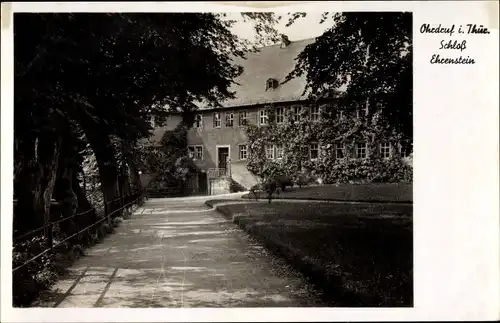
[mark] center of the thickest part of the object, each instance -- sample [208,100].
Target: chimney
[284,41]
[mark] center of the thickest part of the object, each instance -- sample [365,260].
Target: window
[216,120]
[313,151]
[198,121]
[242,119]
[269,152]
[406,150]
[314,113]
[385,149]
[339,150]
[229,119]
[195,152]
[279,151]
[296,113]
[280,115]
[271,84]
[263,118]
[243,152]
[361,150]
[199,152]
[191,151]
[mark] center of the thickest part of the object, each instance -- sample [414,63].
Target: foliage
[170,161]
[66,90]
[303,179]
[88,84]
[295,138]
[370,53]
[35,276]
[264,26]
[67,65]
[353,170]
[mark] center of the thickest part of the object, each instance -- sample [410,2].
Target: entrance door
[223,154]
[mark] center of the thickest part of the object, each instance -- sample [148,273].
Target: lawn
[373,192]
[358,254]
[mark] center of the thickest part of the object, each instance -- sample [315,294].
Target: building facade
[218,142]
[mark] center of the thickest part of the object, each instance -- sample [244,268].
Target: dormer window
[271,84]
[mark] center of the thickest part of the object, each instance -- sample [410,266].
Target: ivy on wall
[329,129]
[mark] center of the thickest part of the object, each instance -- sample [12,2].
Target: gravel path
[179,253]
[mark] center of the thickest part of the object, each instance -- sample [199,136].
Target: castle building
[217,141]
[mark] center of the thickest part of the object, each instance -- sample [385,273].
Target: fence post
[48,228]
[50,236]
[122,201]
[77,227]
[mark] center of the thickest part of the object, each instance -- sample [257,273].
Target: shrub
[369,170]
[35,276]
[304,179]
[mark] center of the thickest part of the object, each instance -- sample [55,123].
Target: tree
[370,52]
[109,74]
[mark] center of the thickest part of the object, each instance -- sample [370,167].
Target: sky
[302,28]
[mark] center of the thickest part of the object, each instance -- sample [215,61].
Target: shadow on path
[179,253]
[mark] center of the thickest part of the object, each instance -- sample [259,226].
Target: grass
[358,254]
[372,192]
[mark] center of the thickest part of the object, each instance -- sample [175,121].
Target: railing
[164,192]
[111,210]
[217,172]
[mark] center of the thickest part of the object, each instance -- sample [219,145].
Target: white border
[456,174]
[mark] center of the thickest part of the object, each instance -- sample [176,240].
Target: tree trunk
[83,203]
[24,216]
[104,153]
[83,206]
[44,174]
[106,162]
[63,192]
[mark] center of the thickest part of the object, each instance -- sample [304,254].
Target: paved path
[179,253]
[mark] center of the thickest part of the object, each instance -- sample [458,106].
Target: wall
[242,175]
[172,122]
[218,186]
[210,137]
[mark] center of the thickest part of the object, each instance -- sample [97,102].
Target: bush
[303,179]
[369,170]
[35,276]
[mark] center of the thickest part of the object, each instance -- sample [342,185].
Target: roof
[269,62]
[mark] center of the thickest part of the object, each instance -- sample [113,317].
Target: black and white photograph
[218,159]
[212,160]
